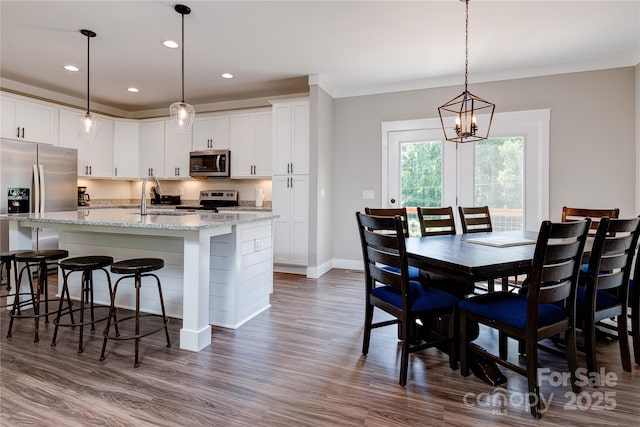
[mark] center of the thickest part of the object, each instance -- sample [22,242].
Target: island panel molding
[218,267]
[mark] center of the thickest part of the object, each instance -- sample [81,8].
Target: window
[509,172]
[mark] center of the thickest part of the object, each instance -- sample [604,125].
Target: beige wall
[592,141]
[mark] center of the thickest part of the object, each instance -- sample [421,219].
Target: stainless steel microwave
[210,164]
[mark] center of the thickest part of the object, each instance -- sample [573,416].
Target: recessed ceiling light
[133,89]
[71,68]
[227,75]
[171,44]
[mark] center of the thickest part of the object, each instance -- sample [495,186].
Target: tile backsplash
[111,189]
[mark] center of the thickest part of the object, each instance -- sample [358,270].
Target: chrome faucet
[143,199]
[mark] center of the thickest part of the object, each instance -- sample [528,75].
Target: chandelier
[459,116]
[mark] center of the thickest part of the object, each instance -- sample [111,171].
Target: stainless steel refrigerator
[50,174]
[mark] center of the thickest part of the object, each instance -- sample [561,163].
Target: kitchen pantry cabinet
[176,152]
[151,140]
[95,156]
[250,144]
[211,133]
[125,149]
[291,229]
[28,120]
[291,137]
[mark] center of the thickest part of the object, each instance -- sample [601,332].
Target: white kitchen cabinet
[95,156]
[28,120]
[151,140]
[211,133]
[291,137]
[177,146]
[125,149]
[250,144]
[290,194]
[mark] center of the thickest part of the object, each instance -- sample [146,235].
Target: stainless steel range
[211,200]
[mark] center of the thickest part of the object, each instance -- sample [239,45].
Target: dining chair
[634,303]
[394,293]
[603,290]
[475,219]
[402,212]
[574,214]
[436,221]
[547,308]
[414,273]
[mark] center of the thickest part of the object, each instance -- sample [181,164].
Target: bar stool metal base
[135,268]
[39,259]
[87,265]
[8,262]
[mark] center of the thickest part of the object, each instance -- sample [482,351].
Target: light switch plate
[368,194]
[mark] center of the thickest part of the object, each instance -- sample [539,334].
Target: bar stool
[135,268]
[8,261]
[40,260]
[87,265]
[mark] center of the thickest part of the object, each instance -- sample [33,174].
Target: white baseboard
[348,264]
[315,272]
[293,269]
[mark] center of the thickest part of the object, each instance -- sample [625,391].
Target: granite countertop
[131,218]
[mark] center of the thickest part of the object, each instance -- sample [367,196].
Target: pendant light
[182,114]
[459,116]
[87,126]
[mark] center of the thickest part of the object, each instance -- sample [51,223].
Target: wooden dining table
[475,257]
[500,255]
[464,259]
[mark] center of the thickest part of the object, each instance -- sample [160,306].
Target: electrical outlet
[182,191]
[368,194]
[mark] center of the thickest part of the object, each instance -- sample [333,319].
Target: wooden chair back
[392,212]
[556,264]
[573,214]
[381,250]
[609,269]
[436,221]
[475,219]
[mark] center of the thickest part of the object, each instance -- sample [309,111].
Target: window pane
[421,178]
[498,179]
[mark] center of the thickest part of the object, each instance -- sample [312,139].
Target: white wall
[592,141]
[321,181]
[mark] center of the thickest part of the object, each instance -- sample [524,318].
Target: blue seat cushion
[423,297]
[511,309]
[414,272]
[603,299]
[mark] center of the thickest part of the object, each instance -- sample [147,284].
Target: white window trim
[534,124]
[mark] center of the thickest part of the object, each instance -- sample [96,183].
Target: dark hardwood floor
[297,364]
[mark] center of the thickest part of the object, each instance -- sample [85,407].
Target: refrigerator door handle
[36,189]
[42,189]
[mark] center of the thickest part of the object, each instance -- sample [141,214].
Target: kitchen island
[218,266]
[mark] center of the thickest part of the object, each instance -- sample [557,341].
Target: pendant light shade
[87,125]
[467,117]
[182,114]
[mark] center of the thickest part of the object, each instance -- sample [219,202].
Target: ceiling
[355,47]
